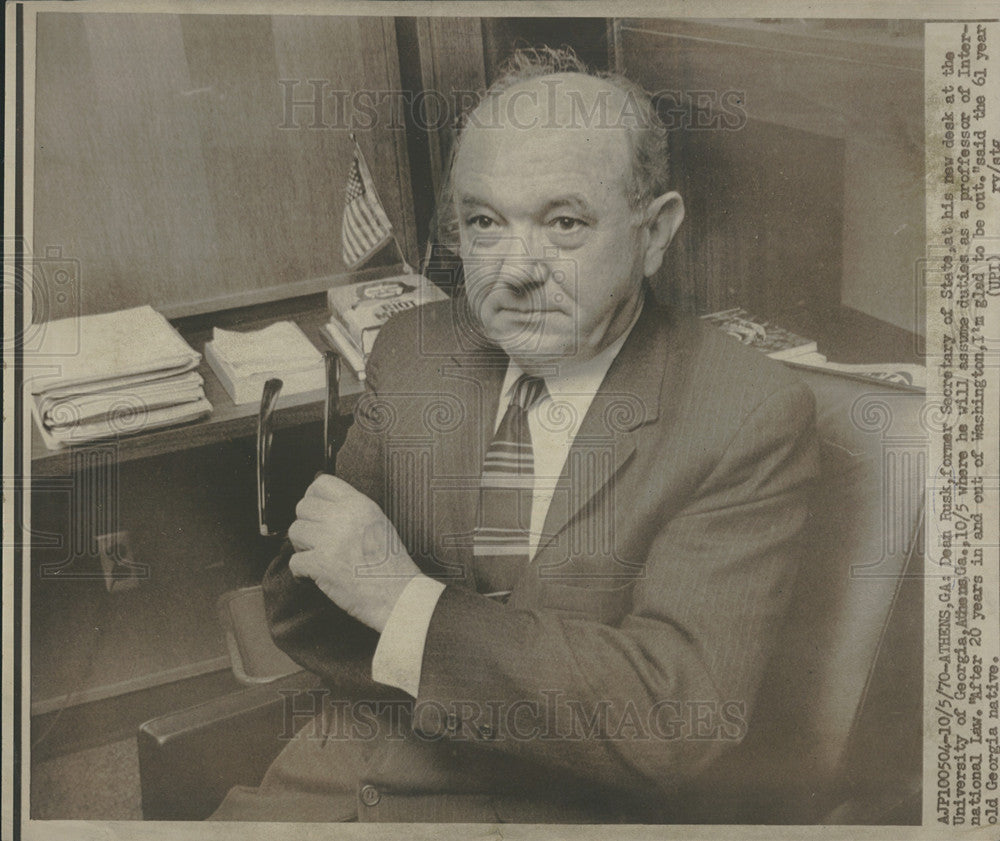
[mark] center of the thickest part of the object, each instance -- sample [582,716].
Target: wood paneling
[451,63]
[827,85]
[165,162]
[759,217]
[819,195]
[193,543]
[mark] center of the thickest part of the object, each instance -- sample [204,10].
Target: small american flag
[365,228]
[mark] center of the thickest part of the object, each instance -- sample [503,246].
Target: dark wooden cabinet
[798,149]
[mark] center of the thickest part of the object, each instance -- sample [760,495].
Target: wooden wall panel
[757,230]
[165,165]
[831,154]
[451,63]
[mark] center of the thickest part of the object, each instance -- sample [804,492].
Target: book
[359,310]
[341,342]
[767,337]
[903,374]
[245,360]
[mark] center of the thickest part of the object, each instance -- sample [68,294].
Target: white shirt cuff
[399,654]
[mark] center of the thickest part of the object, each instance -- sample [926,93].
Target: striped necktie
[502,534]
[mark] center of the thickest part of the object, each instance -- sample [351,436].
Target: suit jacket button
[486,731]
[370,795]
[451,723]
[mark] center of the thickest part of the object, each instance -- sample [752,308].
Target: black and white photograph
[507,419]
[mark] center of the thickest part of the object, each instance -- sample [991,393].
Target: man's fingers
[306,534]
[296,535]
[301,565]
[317,509]
[331,488]
[311,563]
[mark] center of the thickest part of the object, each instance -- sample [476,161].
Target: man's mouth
[528,311]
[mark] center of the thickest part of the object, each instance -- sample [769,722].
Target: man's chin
[527,348]
[525,334]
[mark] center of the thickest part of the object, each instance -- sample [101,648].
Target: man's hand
[347,546]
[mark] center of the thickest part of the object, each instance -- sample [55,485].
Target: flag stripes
[365,227]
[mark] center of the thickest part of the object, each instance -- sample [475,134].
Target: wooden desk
[227,420]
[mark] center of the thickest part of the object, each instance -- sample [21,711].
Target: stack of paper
[117,373]
[244,361]
[780,343]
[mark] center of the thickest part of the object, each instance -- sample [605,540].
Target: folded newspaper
[113,374]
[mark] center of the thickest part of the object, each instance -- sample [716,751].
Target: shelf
[227,420]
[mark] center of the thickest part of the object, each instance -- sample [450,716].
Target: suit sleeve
[304,623]
[651,701]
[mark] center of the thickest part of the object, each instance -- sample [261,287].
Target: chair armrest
[188,760]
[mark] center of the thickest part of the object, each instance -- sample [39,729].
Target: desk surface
[227,420]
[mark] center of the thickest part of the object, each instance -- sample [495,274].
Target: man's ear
[663,217]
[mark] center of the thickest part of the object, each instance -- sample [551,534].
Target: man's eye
[567,224]
[480,222]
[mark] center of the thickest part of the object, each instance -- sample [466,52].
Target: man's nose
[527,270]
[522,274]
[526,257]
[519,259]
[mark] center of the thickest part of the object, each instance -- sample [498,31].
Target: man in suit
[566,523]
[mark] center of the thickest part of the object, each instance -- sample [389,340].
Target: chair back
[864,542]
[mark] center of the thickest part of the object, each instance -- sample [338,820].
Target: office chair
[836,732]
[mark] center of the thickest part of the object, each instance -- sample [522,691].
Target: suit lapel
[629,398]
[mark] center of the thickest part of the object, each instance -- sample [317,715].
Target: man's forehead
[552,123]
[603,146]
[539,166]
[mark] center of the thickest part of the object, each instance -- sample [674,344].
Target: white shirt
[554,422]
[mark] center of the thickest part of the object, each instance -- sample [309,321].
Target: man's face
[553,252]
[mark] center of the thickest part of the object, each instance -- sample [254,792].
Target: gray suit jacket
[630,652]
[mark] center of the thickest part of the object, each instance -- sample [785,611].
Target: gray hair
[650,171]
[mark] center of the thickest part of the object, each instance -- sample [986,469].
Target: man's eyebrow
[473,201]
[574,201]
